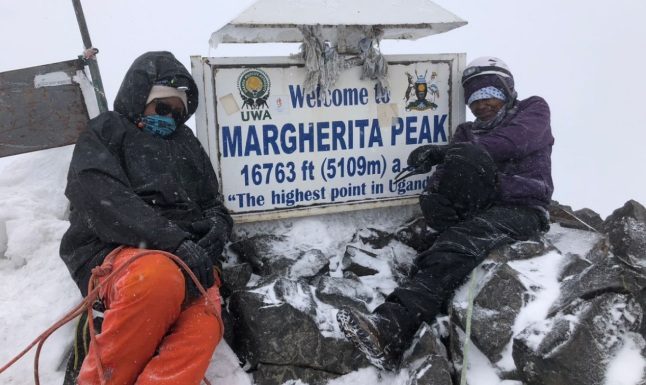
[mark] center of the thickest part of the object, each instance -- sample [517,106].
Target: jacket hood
[151,68]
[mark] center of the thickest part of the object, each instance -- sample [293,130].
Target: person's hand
[213,239]
[200,264]
[438,211]
[423,158]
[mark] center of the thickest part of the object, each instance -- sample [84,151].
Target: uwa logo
[254,87]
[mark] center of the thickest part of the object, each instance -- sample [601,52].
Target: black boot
[375,336]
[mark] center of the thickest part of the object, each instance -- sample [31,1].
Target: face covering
[493,122]
[506,112]
[159,125]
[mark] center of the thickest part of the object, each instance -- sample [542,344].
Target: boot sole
[360,339]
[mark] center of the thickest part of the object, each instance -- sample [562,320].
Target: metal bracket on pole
[91,61]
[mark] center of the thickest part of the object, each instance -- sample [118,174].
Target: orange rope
[86,305]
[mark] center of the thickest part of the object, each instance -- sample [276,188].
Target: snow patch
[539,276]
[616,323]
[483,274]
[308,265]
[326,319]
[371,375]
[52,79]
[479,369]
[225,367]
[628,366]
[268,294]
[572,240]
[298,298]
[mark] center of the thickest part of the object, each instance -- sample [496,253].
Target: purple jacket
[521,146]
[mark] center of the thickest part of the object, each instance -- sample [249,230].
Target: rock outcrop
[554,310]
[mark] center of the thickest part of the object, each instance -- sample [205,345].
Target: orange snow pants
[147,336]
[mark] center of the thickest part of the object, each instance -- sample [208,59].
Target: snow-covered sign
[43,107]
[281,151]
[343,21]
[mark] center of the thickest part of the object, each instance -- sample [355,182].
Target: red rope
[86,305]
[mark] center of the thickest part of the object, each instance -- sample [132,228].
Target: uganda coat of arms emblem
[425,92]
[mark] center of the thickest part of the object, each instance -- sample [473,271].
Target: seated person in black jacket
[141,186]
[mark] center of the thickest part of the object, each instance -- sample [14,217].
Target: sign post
[281,151]
[91,61]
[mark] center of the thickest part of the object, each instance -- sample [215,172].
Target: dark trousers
[456,252]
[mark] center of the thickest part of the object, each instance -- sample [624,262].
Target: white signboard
[281,151]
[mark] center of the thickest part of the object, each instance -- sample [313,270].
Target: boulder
[584,219]
[521,250]
[271,331]
[427,359]
[495,308]
[267,374]
[574,265]
[235,277]
[359,261]
[402,262]
[343,292]
[591,218]
[377,239]
[609,275]
[434,370]
[574,346]
[229,326]
[599,252]
[258,252]
[425,342]
[309,264]
[626,229]
[560,214]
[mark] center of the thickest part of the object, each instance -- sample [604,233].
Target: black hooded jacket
[128,187]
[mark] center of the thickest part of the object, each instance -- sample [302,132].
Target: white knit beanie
[159,92]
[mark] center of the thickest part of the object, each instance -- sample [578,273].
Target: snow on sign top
[277,20]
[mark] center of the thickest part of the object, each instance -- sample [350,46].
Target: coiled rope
[86,305]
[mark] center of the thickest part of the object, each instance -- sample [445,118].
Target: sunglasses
[165,109]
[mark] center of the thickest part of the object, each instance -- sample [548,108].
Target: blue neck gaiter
[159,125]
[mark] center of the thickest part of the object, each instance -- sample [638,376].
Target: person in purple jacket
[491,187]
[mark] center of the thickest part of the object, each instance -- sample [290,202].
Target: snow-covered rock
[577,344]
[552,310]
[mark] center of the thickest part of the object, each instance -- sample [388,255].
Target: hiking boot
[368,334]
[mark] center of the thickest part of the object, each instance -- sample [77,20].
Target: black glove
[423,158]
[200,264]
[438,211]
[214,233]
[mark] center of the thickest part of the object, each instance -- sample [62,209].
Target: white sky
[579,55]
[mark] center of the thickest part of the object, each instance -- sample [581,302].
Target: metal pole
[91,62]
